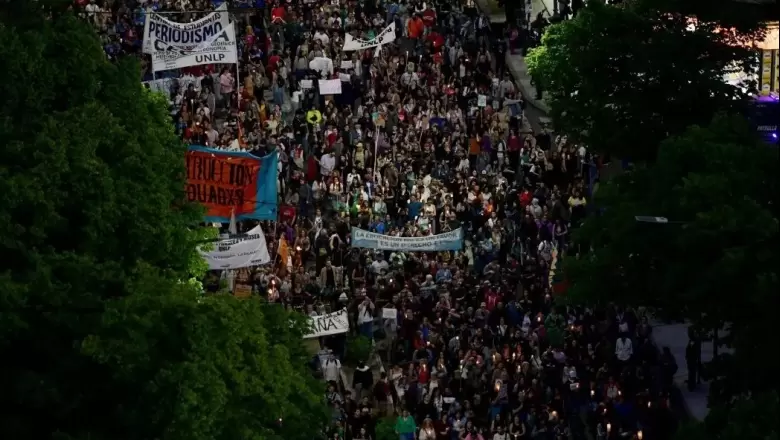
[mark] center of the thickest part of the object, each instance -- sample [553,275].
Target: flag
[241,141]
[233,228]
[283,251]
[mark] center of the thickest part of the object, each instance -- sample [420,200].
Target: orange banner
[222,183]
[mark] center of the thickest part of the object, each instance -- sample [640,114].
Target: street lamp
[656,220]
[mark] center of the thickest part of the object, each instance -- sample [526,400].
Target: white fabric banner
[330,86]
[330,324]
[221,50]
[386,36]
[185,36]
[235,253]
[322,65]
[175,45]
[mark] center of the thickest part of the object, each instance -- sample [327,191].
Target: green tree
[622,79]
[101,335]
[716,267]
[748,418]
[184,367]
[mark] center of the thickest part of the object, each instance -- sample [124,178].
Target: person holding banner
[444,201]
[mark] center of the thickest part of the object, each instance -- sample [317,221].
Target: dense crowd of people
[428,135]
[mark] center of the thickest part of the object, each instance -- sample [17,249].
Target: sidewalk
[494,12]
[519,70]
[675,336]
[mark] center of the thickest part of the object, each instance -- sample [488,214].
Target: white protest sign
[330,86]
[330,324]
[248,250]
[389,314]
[386,36]
[307,84]
[481,101]
[347,64]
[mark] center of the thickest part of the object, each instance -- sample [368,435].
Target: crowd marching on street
[414,194]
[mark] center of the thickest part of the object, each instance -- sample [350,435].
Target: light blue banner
[448,241]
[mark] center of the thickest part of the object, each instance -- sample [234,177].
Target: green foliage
[101,334]
[622,79]
[210,368]
[197,265]
[358,349]
[718,268]
[749,418]
[385,429]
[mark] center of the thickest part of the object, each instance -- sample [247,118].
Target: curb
[523,81]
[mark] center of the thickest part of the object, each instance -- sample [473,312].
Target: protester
[427,136]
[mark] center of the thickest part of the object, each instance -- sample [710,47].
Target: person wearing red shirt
[429,17]
[525,198]
[414,29]
[513,145]
[436,39]
[332,136]
[273,62]
[278,15]
[423,373]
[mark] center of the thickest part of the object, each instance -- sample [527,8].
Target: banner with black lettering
[386,36]
[330,324]
[232,183]
[209,40]
[236,253]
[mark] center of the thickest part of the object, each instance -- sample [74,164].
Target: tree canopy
[713,263]
[101,338]
[644,82]
[622,79]
[750,418]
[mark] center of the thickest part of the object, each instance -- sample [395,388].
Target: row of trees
[101,335]
[642,83]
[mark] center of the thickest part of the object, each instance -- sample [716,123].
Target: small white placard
[330,86]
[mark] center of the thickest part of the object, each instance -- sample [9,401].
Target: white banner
[322,65]
[386,36]
[330,86]
[185,36]
[330,324]
[235,253]
[172,45]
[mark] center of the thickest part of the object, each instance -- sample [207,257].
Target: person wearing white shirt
[410,77]
[327,164]
[365,317]
[92,10]
[331,369]
[624,349]
[379,264]
[323,37]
